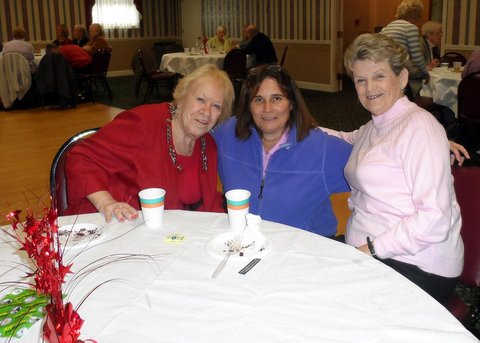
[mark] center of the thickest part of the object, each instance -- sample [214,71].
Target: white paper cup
[152,201]
[238,205]
[186,50]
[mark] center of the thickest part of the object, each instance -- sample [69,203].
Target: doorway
[362,16]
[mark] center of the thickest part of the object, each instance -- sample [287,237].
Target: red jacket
[131,153]
[76,56]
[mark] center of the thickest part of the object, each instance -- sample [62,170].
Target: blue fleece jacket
[298,181]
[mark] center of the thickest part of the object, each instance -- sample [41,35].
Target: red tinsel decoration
[39,238]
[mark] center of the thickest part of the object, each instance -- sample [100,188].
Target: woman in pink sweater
[404,210]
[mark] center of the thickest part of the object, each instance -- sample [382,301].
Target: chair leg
[90,90]
[107,86]
[475,314]
[138,86]
[148,92]
[156,89]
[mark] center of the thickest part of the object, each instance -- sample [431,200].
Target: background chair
[55,80]
[162,48]
[173,48]
[235,65]
[15,78]
[451,57]
[58,179]
[144,68]
[467,189]
[284,56]
[443,114]
[97,73]
[469,112]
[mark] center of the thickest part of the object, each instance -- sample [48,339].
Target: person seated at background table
[404,210]
[260,46]
[472,65]
[19,45]
[405,31]
[79,35]
[164,145]
[220,42]
[78,58]
[96,41]
[244,42]
[274,150]
[62,34]
[432,38]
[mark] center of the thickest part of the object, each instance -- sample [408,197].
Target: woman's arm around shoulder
[348,137]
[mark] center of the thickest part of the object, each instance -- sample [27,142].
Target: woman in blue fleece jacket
[274,150]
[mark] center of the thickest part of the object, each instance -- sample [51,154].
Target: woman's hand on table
[105,204]
[121,210]
[459,153]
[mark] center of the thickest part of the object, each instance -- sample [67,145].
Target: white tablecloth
[38,58]
[442,87]
[307,288]
[184,63]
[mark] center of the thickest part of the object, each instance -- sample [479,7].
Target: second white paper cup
[152,201]
[238,205]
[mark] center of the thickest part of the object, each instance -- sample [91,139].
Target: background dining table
[186,62]
[38,57]
[155,285]
[443,87]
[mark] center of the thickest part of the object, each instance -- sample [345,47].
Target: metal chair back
[58,178]
[451,57]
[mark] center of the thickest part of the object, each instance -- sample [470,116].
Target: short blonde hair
[97,28]
[208,71]
[81,28]
[18,33]
[409,9]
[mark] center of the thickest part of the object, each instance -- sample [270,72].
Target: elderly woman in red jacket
[164,145]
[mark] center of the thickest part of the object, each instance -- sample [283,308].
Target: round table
[184,63]
[306,288]
[442,87]
[37,58]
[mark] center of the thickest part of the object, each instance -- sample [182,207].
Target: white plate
[218,247]
[80,234]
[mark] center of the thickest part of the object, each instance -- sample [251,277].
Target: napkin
[252,237]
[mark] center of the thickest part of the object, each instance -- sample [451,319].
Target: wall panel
[298,20]
[462,19]
[161,18]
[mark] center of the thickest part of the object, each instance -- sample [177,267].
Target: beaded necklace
[171,149]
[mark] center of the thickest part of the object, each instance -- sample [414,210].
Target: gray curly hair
[376,47]
[409,9]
